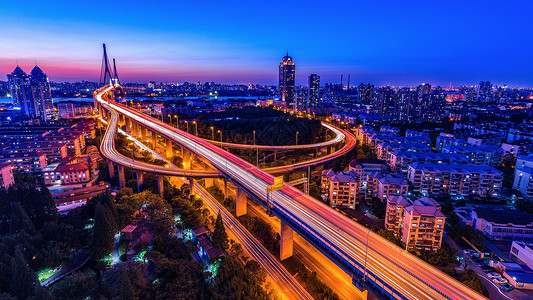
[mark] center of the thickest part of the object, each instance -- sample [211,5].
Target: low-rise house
[206,251]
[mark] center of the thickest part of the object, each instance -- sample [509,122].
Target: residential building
[392,185]
[484,139]
[523,176]
[423,225]
[455,180]
[478,155]
[500,223]
[6,175]
[342,189]
[384,150]
[400,160]
[363,167]
[73,173]
[66,110]
[394,213]
[29,162]
[517,147]
[53,151]
[446,141]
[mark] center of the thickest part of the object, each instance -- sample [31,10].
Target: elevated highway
[372,261]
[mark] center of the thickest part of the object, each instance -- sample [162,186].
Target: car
[488,269]
[493,275]
[507,287]
[499,280]
[481,264]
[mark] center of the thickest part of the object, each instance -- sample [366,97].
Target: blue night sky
[381,42]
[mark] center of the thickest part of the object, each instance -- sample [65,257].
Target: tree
[127,292]
[103,233]
[314,191]
[20,220]
[124,192]
[23,279]
[256,271]
[220,237]
[78,285]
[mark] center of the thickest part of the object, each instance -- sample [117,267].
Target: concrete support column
[240,205]
[329,150]
[154,140]
[128,126]
[121,119]
[143,134]
[186,159]
[111,168]
[286,242]
[208,182]
[134,132]
[160,185]
[140,179]
[170,152]
[275,156]
[121,177]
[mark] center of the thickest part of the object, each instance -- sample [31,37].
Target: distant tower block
[286,79]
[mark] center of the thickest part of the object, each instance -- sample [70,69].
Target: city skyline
[444,45]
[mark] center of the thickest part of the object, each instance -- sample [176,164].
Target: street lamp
[297,137]
[196,127]
[220,138]
[187,123]
[170,117]
[177,120]
[257,153]
[212,133]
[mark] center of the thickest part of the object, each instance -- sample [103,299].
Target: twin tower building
[31,93]
[287,91]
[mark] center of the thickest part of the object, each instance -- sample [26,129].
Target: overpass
[339,138]
[373,262]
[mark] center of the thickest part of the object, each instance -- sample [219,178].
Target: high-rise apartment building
[286,79]
[484,93]
[313,96]
[31,93]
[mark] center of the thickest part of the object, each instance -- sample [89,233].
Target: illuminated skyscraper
[314,90]
[286,79]
[31,93]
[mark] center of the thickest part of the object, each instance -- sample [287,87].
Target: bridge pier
[240,199]
[154,141]
[186,158]
[160,185]
[208,182]
[140,179]
[275,156]
[111,168]
[121,177]
[120,119]
[169,148]
[128,126]
[134,132]
[143,134]
[286,242]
